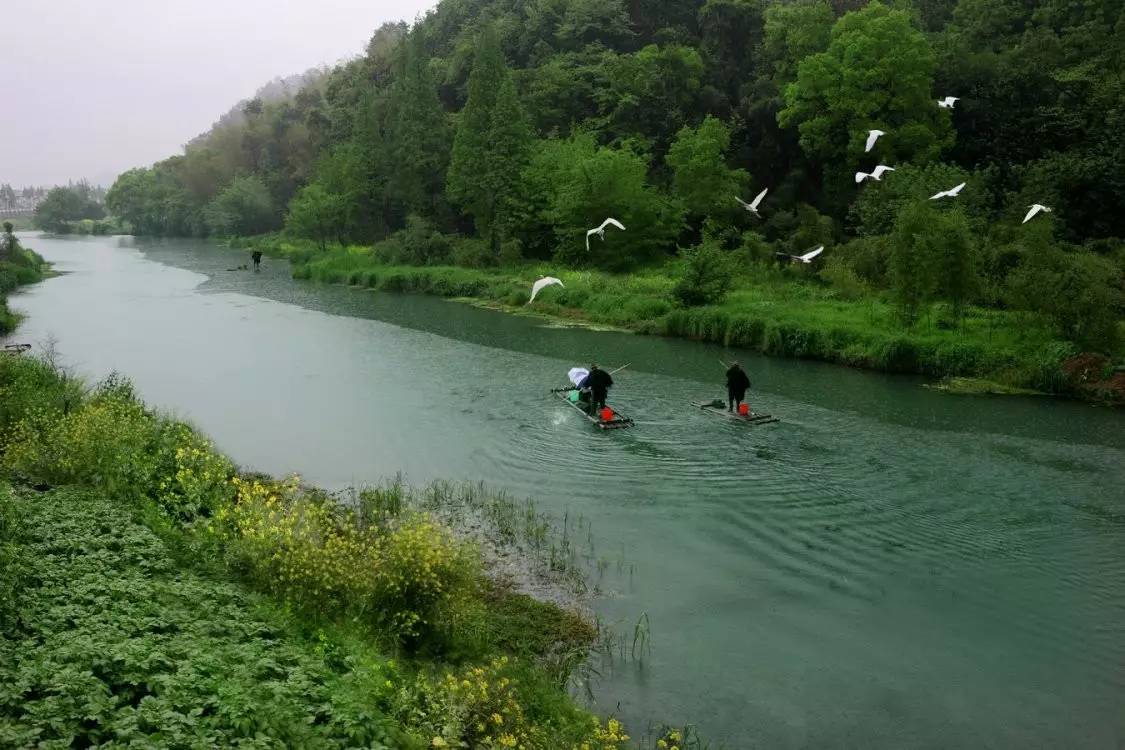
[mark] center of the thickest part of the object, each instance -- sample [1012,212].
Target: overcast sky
[93,87]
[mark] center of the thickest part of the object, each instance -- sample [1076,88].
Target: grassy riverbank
[153,593]
[777,312]
[18,266]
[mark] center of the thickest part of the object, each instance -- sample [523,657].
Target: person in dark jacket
[256,256]
[599,382]
[737,383]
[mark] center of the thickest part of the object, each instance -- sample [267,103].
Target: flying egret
[752,206]
[600,231]
[948,102]
[872,136]
[876,174]
[951,193]
[1035,208]
[543,283]
[806,258]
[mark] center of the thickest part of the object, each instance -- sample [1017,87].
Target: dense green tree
[509,140]
[471,148]
[243,207]
[932,258]
[420,137]
[316,214]
[64,205]
[574,184]
[701,178]
[877,73]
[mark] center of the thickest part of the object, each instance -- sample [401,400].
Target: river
[887,567]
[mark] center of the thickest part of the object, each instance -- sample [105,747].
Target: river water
[887,567]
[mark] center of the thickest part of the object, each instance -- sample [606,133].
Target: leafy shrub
[1075,290]
[844,280]
[408,577]
[704,276]
[104,443]
[196,479]
[471,252]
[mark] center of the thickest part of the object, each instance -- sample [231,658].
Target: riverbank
[776,312]
[19,266]
[326,623]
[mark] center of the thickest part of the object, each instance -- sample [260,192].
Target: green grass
[778,312]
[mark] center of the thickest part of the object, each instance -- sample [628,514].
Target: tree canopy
[534,120]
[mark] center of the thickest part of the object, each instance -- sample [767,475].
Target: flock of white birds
[876,174]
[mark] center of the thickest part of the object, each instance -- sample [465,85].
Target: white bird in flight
[951,193]
[600,231]
[807,257]
[872,136]
[543,283]
[948,102]
[752,206]
[875,174]
[1035,208]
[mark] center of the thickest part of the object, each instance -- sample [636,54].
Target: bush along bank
[152,593]
[776,312]
[18,266]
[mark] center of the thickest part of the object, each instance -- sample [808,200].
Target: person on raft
[737,383]
[256,256]
[599,382]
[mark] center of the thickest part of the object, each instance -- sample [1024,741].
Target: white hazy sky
[90,88]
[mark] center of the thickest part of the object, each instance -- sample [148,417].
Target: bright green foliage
[701,178]
[933,258]
[705,276]
[575,185]
[243,207]
[116,643]
[316,214]
[878,72]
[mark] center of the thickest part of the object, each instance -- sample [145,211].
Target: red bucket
[744,409]
[606,414]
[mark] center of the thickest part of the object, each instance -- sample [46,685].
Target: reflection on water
[887,567]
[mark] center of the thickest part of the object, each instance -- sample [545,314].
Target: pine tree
[419,135]
[509,146]
[470,158]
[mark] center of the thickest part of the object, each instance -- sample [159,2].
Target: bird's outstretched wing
[881,170]
[742,203]
[860,177]
[1035,208]
[588,233]
[758,199]
[612,223]
[810,255]
[872,136]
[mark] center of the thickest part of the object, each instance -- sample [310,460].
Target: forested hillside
[495,130]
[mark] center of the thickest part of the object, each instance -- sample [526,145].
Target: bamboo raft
[721,411]
[14,349]
[618,422]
